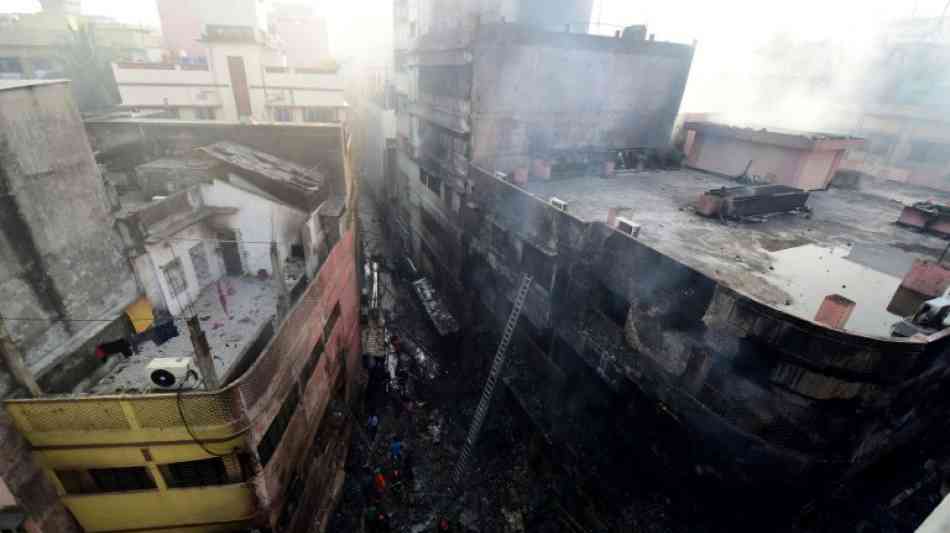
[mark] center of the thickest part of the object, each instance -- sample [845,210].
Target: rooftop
[251,305]
[6,85]
[848,244]
[286,180]
[772,135]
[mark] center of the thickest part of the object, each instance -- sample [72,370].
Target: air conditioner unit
[558,203]
[171,373]
[628,226]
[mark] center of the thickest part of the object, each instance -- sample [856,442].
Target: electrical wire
[184,421]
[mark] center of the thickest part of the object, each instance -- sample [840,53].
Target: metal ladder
[501,356]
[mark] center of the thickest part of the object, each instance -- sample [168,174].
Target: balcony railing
[109,420]
[219,505]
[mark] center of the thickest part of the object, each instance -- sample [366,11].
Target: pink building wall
[181,27]
[795,160]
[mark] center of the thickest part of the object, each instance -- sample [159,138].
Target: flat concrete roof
[6,85]
[777,136]
[251,303]
[849,244]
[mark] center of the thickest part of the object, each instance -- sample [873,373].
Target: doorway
[242,95]
[230,252]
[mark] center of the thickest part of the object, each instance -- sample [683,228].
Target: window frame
[170,267]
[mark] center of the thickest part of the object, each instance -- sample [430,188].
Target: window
[122,479]
[175,276]
[96,480]
[319,114]
[308,368]
[283,114]
[449,81]
[434,183]
[10,68]
[169,112]
[204,113]
[271,438]
[331,322]
[195,473]
[199,261]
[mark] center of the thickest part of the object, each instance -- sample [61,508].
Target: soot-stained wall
[59,255]
[535,92]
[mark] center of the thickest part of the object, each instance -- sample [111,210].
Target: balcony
[113,420]
[224,507]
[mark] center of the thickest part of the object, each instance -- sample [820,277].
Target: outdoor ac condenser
[558,203]
[171,373]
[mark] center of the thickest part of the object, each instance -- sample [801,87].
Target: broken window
[199,473]
[96,480]
[275,432]
[175,276]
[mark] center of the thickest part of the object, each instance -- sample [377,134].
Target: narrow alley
[425,398]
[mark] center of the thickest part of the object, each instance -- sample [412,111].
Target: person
[379,481]
[372,426]
[395,450]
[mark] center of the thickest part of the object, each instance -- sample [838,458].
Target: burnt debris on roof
[289,182]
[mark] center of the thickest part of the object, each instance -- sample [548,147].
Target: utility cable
[181,413]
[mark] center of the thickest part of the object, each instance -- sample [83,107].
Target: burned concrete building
[211,321]
[760,347]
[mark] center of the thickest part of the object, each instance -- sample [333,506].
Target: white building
[246,77]
[181,244]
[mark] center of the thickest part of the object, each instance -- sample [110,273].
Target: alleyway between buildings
[428,407]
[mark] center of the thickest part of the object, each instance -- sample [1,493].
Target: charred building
[761,348]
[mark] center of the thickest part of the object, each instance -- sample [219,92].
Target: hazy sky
[726,30]
[681,20]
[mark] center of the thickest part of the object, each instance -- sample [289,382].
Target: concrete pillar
[835,311]
[203,357]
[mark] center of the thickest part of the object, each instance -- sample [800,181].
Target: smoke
[788,82]
[807,65]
